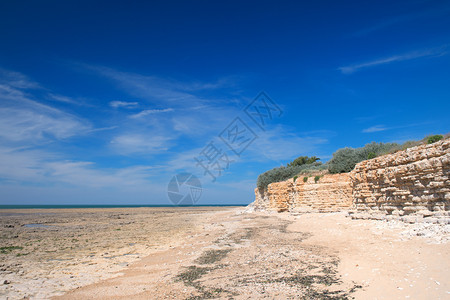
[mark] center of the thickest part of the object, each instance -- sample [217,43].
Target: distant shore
[50,206]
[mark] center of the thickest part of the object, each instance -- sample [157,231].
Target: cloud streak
[151,88]
[17,80]
[26,122]
[139,143]
[395,58]
[147,112]
[24,166]
[30,130]
[378,128]
[124,104]
[375,128]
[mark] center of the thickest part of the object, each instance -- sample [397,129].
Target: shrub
[371,155]
[303,160]
[316,179]
[379,149]
[434,138]
[313,168]
[275,175]
[305,179]
[283,173]
[344,160]
[295,178]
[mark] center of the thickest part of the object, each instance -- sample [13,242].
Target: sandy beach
[227,253]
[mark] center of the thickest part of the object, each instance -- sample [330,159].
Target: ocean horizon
[49,206]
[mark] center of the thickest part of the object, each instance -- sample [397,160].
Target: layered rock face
[411,185]
[330,193]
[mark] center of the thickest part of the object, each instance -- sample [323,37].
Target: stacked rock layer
[330,193]
[412,185]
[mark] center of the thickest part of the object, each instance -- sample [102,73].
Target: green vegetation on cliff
[297,166]
[434,138]
[344,160]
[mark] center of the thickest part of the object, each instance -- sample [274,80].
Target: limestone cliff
[413,183]
[330,193]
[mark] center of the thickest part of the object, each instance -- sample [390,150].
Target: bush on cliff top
[434,138]
[371,155]
[344,160]
[293,168]
[303,160]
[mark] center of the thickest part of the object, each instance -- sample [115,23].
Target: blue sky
[102,102]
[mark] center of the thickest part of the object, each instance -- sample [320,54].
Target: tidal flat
[217,253]
[46,252]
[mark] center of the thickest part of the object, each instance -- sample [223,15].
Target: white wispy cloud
[69,100]
[103,129]
[150,112]
[183,112]
[139,143]
[375,128]
[61,98]
[27,125]
[17,80]
[31,130]
[124,104]
[194,112]
[82,173]
[395,58]
[17,164]
[23,165]
[184,160]
[26,121]
[160,90]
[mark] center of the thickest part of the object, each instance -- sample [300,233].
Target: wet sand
[229,253]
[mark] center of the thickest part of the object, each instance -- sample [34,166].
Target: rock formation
[412,185]
[330,193]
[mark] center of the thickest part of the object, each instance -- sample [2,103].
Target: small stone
[6,282]
[430,220]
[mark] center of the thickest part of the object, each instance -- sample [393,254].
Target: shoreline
[75,206]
